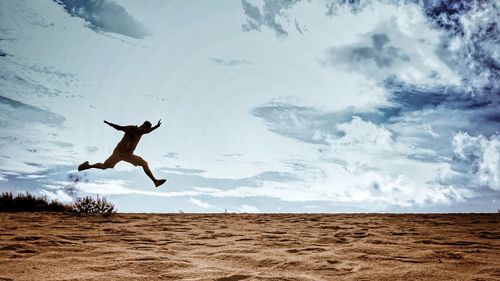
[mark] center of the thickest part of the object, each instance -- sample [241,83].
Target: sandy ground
[42,246]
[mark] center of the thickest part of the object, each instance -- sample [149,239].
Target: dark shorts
[131,158]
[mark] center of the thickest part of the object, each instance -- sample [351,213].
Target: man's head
[145,126]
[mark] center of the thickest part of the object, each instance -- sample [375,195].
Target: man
[124,151]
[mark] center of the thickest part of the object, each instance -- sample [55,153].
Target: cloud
[358,131]
[91,149]
[22,113]
[268,15]
[118,187]
[105,15]
[384,156]
[180,184]
[397,153]
[230,62]
[355,6]
[391,52]
[481,157]
[182,171]
[468,35]
[23,134]
[172,155]
[3,178]
[314,125]
[58,195]
[199,203]
[469,44]
[299,122]
[354,182]
[430,115]
[248,209]
[380,52]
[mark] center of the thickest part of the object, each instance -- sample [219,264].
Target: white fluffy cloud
[358,131]
[482,155]
[199,203]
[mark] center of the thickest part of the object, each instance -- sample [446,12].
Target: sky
[267,106]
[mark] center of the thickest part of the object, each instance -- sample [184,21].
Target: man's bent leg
[138,161]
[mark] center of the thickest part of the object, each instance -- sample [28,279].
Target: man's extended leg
[148,172]
[109,163]
[101,166]
[138,161]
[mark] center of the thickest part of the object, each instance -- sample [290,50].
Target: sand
[55,246]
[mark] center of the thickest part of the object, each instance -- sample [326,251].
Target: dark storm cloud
[449,113]
[105,15]
[380,52]
[475,23]
[446,14]
[448,108]
[266,16]
[384,52]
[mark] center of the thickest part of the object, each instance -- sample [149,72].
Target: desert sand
[55,246]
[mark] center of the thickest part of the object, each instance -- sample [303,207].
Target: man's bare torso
[129,141]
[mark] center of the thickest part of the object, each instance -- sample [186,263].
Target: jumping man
[124,150]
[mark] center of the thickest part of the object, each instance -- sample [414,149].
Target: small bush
[26,202]
[88,204]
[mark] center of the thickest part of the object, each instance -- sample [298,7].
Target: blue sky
[267,106]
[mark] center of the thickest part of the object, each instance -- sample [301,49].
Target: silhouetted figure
[124,150]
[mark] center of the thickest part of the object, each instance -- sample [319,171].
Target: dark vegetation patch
[26,202]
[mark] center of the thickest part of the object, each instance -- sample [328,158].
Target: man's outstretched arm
[155,127]
[118,127]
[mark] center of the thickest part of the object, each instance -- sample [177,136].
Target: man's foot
[84,166]
[159,182]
